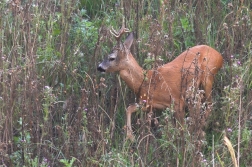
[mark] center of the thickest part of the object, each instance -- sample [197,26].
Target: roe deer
[166,85]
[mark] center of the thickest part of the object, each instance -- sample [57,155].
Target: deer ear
[129,40]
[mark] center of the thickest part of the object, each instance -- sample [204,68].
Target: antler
[118,34]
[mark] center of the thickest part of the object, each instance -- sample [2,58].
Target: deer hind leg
[179,123]
[208,85]
[180,113]
[180,116]
[131,109]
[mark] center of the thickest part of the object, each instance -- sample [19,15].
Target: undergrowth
[57,110]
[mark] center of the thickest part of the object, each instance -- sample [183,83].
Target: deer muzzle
[99,68]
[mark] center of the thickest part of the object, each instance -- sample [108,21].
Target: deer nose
[99,68]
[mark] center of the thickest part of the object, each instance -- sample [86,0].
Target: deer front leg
[132,108]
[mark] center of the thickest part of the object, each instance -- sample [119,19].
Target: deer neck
[133,75]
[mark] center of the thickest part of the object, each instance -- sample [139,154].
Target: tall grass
[57,110]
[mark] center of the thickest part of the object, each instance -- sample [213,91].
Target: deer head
[117,59]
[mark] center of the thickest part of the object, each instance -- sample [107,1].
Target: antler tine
[114,33]
[118,34]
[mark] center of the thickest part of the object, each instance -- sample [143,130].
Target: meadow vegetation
[56,109]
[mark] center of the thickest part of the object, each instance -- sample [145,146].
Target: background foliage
[56,109]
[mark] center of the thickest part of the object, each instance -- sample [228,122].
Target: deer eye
[111,59]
